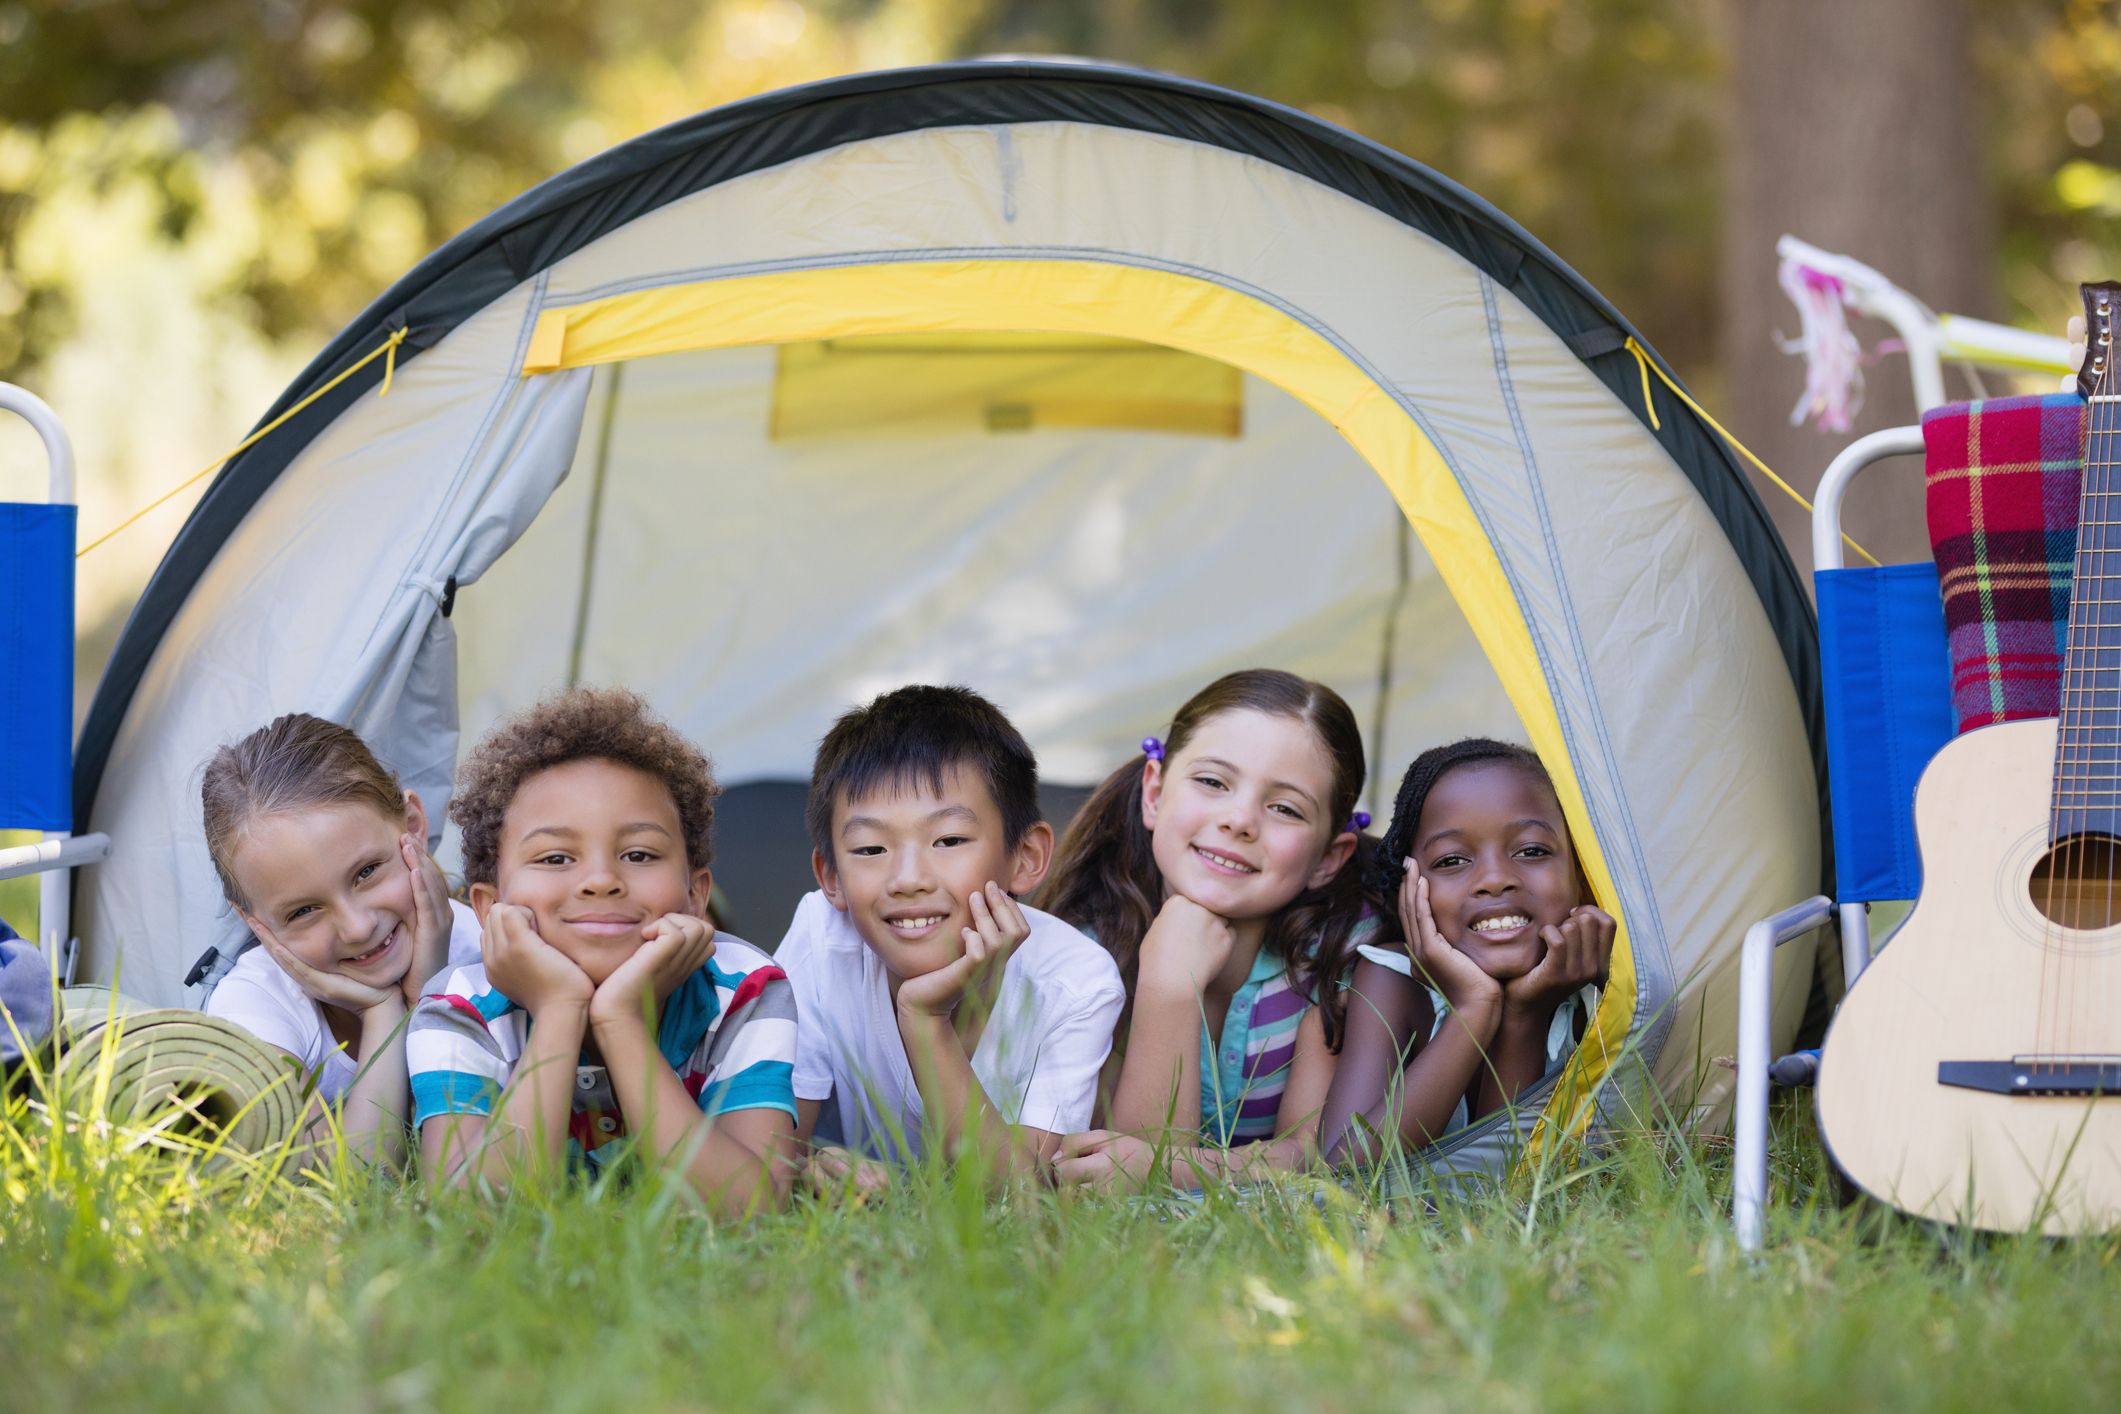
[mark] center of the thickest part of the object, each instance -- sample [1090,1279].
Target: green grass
[138,1273]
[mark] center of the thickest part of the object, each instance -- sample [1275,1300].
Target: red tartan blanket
[2004,477]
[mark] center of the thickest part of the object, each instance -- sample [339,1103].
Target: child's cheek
[317,952]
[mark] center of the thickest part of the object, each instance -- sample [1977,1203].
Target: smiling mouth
[1223,862]
[1503,923]
[915,925]
[363,959]
[604,926]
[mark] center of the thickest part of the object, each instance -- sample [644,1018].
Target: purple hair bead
[1152,748]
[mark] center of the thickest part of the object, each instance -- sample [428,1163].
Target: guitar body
[1978,973]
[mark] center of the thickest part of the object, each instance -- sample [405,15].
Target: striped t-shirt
[728,1031]
[1242,1082]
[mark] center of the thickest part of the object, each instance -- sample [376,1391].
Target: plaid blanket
[2004,477]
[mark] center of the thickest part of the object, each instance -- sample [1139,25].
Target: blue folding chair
[37,687]
[1886,669]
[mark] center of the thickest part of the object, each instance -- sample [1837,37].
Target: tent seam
[1594,710]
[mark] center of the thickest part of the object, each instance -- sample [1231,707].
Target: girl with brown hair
[1222,869]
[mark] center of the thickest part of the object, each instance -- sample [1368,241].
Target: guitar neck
[2087,789]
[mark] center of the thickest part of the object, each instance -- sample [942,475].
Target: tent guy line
[1642,360]
[388,350]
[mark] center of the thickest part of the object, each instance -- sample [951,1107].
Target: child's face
[909,859]
[331,884]
[596,852]
[1238,818]
[1495,849]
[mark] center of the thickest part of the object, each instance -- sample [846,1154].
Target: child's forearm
[1429,1089]
[1159,1081]
[372,1112]
[530,1132]
[1518,1058]
[953,1097]
[734,1178]
[1196,1167]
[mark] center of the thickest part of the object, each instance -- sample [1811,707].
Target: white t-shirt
[262,999]
[1037,1059]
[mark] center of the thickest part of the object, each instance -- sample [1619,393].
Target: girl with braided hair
[1497,973]
[1222,869]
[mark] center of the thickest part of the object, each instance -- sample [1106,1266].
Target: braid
[1388,863]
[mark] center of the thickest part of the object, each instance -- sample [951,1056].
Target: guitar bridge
[2036,1075]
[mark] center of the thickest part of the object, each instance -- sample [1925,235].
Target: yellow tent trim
[1155,306]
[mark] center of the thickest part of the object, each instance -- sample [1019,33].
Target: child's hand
[1448,970]
[431,918]
[1099,1158]
[1185,947]
[526,969]
[832,1168]
[1579,952]
[1001,930]
[677,946]
[332,988]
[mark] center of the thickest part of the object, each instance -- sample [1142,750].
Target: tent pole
[1384,665]
[589,535]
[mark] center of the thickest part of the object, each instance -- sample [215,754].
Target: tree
[1854,126]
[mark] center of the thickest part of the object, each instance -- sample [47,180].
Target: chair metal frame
[56,856]
[1756,966]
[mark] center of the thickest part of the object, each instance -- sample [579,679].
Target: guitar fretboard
[2087,792]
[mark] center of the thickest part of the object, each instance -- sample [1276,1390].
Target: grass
[136,1272]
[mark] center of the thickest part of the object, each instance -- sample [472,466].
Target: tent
[1077,384]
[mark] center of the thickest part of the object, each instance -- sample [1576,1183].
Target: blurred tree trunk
[1856,129]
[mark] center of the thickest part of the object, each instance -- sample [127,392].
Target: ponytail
[1105,880]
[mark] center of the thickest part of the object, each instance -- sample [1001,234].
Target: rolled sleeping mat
[237,1086]
[85,1006]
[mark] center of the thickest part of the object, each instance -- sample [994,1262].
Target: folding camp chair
[1886,669]
[37,687]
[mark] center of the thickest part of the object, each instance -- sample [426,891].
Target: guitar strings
[2086,865]
[2075,754]
[2101,710]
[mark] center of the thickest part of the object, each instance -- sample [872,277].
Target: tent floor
[762,851]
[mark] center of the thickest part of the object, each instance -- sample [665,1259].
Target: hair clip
[1152,748]
[1361,820]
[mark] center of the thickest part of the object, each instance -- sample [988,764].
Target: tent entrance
[734,542]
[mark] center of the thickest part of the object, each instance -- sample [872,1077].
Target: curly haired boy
[604,1008]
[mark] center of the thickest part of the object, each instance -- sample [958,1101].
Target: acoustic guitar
[1973,1074]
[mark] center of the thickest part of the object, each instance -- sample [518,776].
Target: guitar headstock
[2102,313]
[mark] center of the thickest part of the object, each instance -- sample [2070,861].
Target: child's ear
[1333,860]
[416,818]
[483,897]
[828,879]
[1152,791]
[702,888]
[1034,856]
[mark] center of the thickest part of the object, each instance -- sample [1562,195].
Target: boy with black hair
[935,1007]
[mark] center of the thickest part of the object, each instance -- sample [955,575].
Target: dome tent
[1076,384]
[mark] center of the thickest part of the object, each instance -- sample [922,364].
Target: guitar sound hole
[2077,884]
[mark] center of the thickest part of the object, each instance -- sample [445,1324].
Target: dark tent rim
[565,213]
